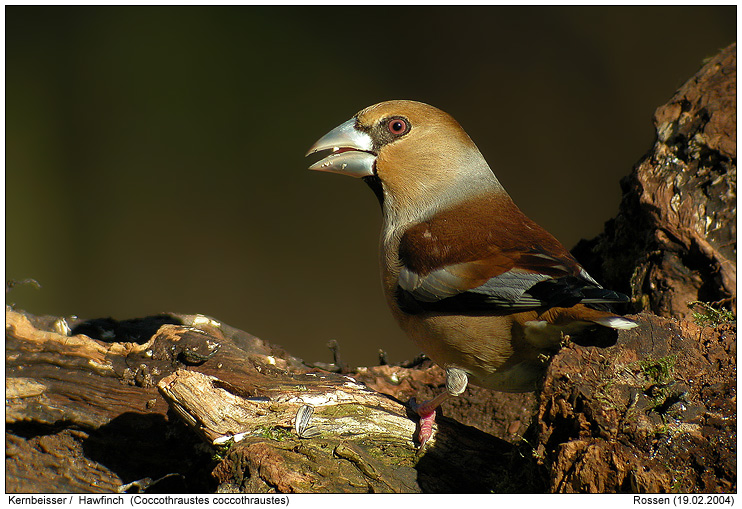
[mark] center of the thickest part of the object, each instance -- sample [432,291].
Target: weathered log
[655,413]
[636,416]
[240,395]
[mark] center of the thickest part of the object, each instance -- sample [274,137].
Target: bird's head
[417,158]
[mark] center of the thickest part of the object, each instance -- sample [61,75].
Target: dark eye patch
[389,129]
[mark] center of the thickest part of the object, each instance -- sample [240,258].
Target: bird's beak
[351,151]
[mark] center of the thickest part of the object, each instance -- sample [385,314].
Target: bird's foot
[426,412]
[456,381]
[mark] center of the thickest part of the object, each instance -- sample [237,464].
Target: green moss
[337,411]
[220,450]
[707,315]
[273,433]
[395,452]
[659,371]
[659,375]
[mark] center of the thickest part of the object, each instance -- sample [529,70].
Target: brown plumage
[483,290]
[481,229]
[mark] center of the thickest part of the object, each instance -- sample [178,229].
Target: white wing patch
[617,322]
[437,285]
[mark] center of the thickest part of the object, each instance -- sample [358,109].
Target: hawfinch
[479,287]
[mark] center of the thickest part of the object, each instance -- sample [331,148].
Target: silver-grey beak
[351,151]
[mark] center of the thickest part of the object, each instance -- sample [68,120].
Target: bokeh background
[155,155]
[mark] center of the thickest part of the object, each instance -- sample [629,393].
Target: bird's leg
[456,382]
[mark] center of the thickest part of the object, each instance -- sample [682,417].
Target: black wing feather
[561,292]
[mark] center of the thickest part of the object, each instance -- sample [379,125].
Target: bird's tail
[616,322]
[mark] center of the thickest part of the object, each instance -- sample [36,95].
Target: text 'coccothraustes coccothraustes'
[478,286]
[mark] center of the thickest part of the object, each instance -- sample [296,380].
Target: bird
[479,287]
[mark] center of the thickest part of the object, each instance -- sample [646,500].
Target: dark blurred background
[155,155]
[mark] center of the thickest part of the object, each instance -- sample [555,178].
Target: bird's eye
[397,126]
